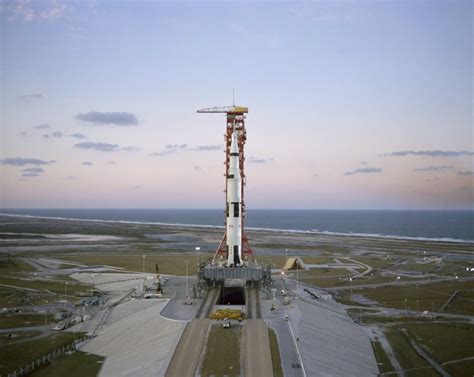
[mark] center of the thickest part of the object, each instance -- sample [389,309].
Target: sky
[352,104]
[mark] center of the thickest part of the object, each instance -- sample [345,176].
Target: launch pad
[234,258]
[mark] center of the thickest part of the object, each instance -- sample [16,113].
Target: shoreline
[374,236]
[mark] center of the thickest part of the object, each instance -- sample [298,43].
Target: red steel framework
[235,116]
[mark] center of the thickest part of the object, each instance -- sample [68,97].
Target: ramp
[258,358]
[186,355]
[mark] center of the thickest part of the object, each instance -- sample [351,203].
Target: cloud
[101,147]
[112,118]
[71,177]
[23,133]
[55,134]
[78,136]
[466,172]
[364,171]
[29,11]
[28,98]
[42,126]
[21,161]
[433,153]
[315,175]
[255,160]
[30,175]
[170,149]
[37,170]
[130,149]
[363,162]
[197,168]
[175,148]
[104,147]
[87,163]
[435,168]
[432,179]
[136,187]
[205,148]
[111,163]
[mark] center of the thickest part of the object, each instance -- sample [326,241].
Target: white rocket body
[234,206]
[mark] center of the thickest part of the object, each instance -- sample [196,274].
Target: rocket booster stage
[234,206]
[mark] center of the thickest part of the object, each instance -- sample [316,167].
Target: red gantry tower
[235,116]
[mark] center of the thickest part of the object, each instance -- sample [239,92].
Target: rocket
[234,206]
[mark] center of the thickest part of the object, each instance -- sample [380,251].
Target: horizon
[352,105]
[248,209]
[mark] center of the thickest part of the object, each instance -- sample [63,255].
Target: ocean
[405,224]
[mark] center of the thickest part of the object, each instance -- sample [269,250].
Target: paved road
[290,359]
[186,355]
[257,357]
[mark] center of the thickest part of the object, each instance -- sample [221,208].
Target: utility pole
[187,277]
[197,255]
[350,279]
[297,270]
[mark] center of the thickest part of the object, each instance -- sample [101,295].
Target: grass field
[42,285]
[22,320]
[222,356]
[15,266]
[404,352]
[78,364]
[422,296]
[14,356]
[5,339]
[444,341]
[168,264]
[276,360]
[382,359]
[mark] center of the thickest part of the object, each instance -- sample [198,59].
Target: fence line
[45,359]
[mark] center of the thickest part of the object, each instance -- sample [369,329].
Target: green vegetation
[444,341]
[404,352]
[6,338]
[17,355]
[418,267]
[383,361]
[14,266]
[461,369]
[23,320]
[274,262]
[43,285]
[375,263]
[323,273]
[168,264]
[78,364]
[276,360]
[429,297]
[222,356]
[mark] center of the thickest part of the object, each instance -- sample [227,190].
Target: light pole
[187,264]
[143,263]
[92,285]
[65,294]
[197,255]
[45,311]
[350,279]
[297,270]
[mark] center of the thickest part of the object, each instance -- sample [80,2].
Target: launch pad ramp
[255,274]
